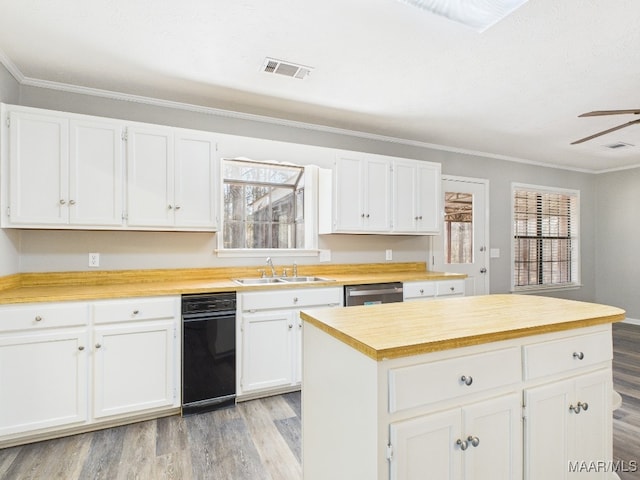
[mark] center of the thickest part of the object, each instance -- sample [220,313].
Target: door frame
[487,236]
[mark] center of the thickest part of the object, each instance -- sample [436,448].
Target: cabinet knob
[81,348]
[415,218]
[290,326]
[98,345]
[170,207]
[475,441]
[367,215]
[62,201]
[462,444]
[178,207]
[420,217]
[72,202]
[300,325]
[295,299]
[578,355]
[38,318]
[362,215]
[136,312]
[452,288]
[421,291]
[584,405]
[466,380]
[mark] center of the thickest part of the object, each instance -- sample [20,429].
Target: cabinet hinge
[390,452]
[125,136]
[9,212]
[124,216]
[524,412]
[8,121]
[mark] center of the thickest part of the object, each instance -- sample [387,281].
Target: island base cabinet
[568,426]
[481,441]
[43,381]
[134,367]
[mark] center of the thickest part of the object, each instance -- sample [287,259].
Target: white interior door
[463,246]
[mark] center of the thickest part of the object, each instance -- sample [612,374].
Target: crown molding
[96,92]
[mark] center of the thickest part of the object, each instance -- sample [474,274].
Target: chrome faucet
[270,263]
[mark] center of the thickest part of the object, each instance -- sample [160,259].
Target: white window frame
[575,250]
[310,218]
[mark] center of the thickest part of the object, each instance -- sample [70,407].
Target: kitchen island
[491,387]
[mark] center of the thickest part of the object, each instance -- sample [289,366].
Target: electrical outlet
[325,256]
[389,254]
[94,259]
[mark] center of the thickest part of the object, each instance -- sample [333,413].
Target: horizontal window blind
[545,226]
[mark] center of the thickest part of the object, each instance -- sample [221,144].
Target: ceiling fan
[598,113]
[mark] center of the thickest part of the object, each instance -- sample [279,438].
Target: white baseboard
[633,321]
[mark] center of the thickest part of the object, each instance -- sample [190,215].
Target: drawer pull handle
[578,355]
[475,441]
[466,380]
[38,318]
[463,444]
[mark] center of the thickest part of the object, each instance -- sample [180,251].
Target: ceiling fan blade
[598,113]
[604,132]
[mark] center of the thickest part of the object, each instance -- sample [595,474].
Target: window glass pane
[263,205]
[458,224]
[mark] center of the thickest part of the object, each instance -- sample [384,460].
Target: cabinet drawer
[291,298]
[109,311]
[427,383]
[43,315]
[548,358]
[414,290]
[449,287]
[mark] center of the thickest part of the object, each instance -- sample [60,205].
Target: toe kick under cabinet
[74,366]
[526,408]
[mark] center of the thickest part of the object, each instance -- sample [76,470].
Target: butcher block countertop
[395,330]
[69,286]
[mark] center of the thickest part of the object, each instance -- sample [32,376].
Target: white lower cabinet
[271,336]
[478,441]
[568,425]
[70,365]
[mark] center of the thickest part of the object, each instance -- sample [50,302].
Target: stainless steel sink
[305,279]
[257,281]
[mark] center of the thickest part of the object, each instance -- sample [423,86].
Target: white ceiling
[380,66]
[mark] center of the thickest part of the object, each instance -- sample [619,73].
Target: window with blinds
[545,237]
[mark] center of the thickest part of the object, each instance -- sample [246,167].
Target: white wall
[58,250]
[9,239]
[618,238]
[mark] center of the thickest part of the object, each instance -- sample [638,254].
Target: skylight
[477,14]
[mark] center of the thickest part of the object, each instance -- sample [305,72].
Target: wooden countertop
[69,286]
[402,329]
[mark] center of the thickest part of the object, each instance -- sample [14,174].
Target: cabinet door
[134,367]
[377,195]
[150,160]
[428,197]
[547,430]
[195,181]
[348,206]
[43,380]
[405,216]
[494,451]
[38,169]
[267,350]
[425,447]
[95,173]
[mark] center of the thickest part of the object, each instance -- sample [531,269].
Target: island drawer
[428,383]
[567,354]
[108,311]
[43,315]
[291,298]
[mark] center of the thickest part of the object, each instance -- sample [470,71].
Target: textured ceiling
[380,66]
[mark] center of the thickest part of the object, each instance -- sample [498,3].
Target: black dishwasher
[208,351]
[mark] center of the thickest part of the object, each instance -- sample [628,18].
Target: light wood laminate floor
[256,440]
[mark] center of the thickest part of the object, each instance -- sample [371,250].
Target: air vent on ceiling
[287,69]
[617,145]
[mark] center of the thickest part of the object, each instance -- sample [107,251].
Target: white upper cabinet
[367,193]
[171,179]
[416,197]
[63,171]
